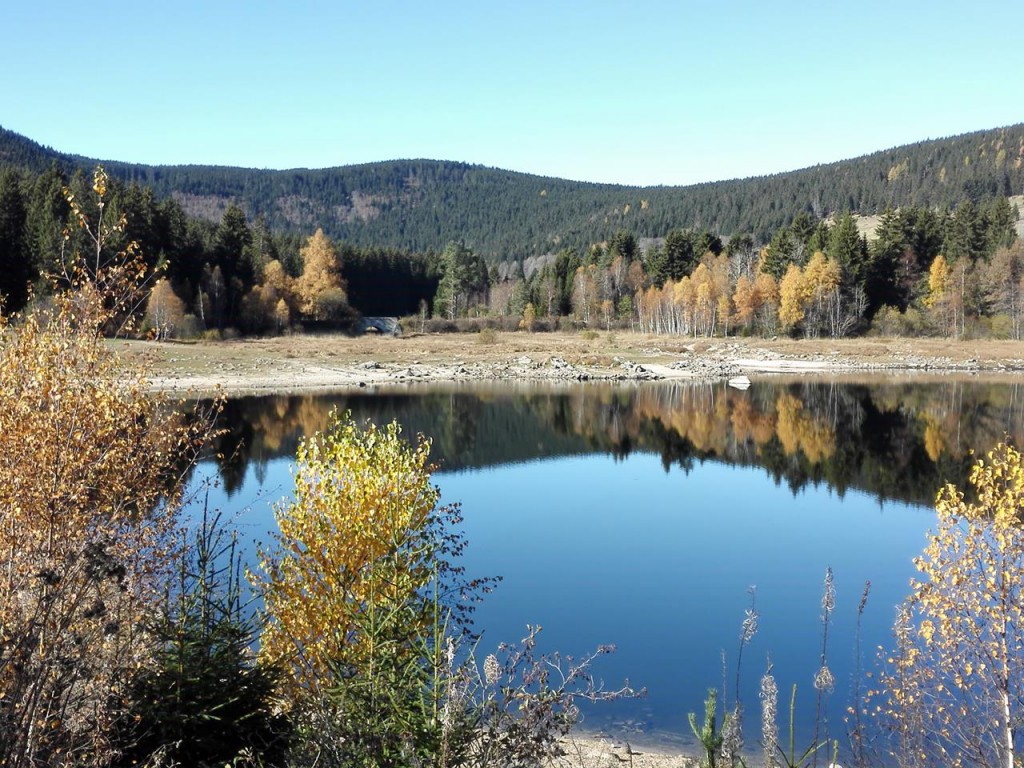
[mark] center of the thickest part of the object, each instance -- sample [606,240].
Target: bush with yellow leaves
[954,687]
[90,468]
[367,614]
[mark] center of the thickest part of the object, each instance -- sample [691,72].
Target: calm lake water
[641,516]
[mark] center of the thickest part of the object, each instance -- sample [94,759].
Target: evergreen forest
[257,251]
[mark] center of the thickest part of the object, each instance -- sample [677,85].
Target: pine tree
[230,248]
[460,281]
[681,254]
[15,266]
[848,249]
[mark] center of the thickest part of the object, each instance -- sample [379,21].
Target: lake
[641,515]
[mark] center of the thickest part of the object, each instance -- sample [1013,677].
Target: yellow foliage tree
[365,604]
[705,300]
[89,473]
[352,541]
[939,281]
[956,682]
[792,297]
[275,277]
[529,317]
[109,282]
[586,293]
[320,288]
[767,291]
[944,300]
[282,315]
[683,302]
[269,306]
[821,281]
[745,299]
[164,310]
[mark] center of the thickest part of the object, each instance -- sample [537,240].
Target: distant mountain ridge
[422,204]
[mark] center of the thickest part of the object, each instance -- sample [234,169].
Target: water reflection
[894,440]
[722,489]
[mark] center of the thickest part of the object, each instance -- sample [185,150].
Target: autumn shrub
[348,593]
[331,304]
[515,706]
[953,685]
[90,469]
[369,618]
[188,328]
[84,462]
[1001,326]
[477,324]
[529,318]
[487,337]
[889,321]
[463,324]
[439,325]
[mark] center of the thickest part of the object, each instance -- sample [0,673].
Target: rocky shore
[307,363]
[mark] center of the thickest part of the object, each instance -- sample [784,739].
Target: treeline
[236,274]
[927,271]
[952,271]
[420,205]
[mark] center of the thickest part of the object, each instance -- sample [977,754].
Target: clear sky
[654,92]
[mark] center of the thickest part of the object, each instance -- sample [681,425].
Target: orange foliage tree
[164,310]
[320,287]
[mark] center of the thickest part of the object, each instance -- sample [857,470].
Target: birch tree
[90,471]
[956,681]
[164,310]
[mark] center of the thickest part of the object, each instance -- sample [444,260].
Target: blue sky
[653,92]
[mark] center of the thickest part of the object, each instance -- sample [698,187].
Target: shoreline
[586,750]
[333,362]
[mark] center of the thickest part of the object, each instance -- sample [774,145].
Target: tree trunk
[1008,727]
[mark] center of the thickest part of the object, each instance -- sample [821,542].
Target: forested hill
[422,204]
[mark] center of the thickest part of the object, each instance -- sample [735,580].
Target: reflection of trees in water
[895,440]
[459,424]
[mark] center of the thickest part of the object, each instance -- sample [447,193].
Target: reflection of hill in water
[894,440]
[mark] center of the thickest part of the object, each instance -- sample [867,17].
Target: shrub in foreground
[90,469]
[369,616]
[954,685]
